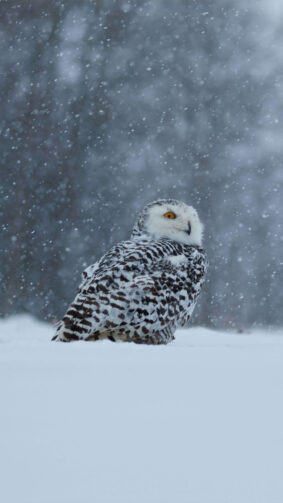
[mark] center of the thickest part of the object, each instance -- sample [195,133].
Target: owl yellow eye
[169,214]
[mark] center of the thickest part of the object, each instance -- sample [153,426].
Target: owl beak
[189,229]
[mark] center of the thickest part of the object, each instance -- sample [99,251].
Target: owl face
[174,220]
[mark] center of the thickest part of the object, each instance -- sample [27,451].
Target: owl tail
[74,326]
[59,334]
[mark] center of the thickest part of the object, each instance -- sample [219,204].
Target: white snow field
[197,421]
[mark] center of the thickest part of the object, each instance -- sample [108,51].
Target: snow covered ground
[197,421]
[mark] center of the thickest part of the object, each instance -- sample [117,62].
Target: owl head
[168,218]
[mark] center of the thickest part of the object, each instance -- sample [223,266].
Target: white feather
[158,226]
[177,259]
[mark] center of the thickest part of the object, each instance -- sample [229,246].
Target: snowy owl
[143,289]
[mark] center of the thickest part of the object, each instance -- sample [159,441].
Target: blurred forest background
[107,105]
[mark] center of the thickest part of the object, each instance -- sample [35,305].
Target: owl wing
[123,267]
[103,266]
[122,274]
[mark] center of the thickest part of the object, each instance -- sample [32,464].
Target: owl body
[140,291]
